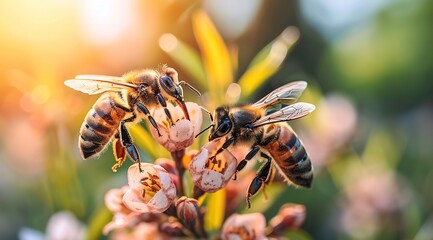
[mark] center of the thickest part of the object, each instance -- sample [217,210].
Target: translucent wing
[94,84]
[291,112]
[290,91]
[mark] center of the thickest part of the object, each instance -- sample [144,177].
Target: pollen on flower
[151,185]
[216,164]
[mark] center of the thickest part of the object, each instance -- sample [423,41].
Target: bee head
[169,83]
[222,123]
[170,87]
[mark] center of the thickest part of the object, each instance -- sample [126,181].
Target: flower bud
[187,209]
[173,229]
[290,216]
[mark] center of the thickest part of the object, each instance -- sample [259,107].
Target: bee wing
[290,91]
[291,112]
[94,84]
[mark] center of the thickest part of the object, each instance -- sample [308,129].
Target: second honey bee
[122,96]
[266,134]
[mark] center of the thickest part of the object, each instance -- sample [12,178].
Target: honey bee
[266,133]
[121,97]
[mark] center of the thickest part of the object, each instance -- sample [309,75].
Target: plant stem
[177,157]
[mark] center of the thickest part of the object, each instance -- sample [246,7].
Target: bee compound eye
[167,84]
[224,127]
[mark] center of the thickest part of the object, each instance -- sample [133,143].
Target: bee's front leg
[226,144]
[262,176]
[163,103]
[146,111]
[126,141]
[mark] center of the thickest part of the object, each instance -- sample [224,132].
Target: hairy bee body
[278,139]
[122,99]
[99,126]
[266,134]
[288,153]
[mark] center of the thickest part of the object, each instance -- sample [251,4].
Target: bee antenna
[204,130]
[190,86]
[207,111]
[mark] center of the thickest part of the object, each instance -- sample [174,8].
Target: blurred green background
[369,65]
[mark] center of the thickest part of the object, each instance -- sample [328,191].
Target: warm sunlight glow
[106,21]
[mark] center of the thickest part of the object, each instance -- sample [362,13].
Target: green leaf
[98,220]
[186,57]
[145,140]
[297,235]
[267,62]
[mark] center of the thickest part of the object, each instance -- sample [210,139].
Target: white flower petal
[213,177]
[211,181]
[160,202]
[135,202]
[164,177]
[198,163]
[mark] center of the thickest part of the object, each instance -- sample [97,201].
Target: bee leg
[161,101]
[226,144]
[262,176]
[118,148]
[127,143]
[119,152]
[152,121]
[248,157]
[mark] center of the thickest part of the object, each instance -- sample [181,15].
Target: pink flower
[151,190]
[181,134]
[123,216]
[209,172]
[143,230]
[122,221]
[64,225]
[244,226]
[114,200]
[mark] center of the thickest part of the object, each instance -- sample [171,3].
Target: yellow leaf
[216,56]
[145,140]
[215,210]
[267,62]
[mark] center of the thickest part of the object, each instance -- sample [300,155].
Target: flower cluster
[192,194]
[155,203]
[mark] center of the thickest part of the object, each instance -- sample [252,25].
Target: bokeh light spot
[41,94]
[233,92]
[168,42]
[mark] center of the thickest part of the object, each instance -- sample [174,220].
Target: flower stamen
[151,185]
[216,165]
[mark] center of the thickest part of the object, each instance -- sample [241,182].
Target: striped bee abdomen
[100,124]
[291,157]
